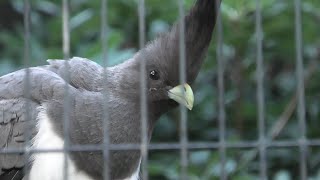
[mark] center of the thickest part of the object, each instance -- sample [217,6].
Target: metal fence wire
[260,146]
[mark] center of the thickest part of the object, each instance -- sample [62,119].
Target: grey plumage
[47,86]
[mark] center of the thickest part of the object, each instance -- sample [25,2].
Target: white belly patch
[50,165]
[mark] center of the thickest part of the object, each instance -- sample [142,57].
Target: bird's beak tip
[182,94]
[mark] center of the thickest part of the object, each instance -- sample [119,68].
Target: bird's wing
[18,112]
[15,128]
[82,73]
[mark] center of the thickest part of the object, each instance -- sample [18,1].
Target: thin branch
[280,123]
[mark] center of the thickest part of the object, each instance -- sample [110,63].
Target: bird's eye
[154,75]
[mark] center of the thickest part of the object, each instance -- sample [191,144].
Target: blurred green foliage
[239,57]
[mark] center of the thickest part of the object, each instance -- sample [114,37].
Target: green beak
[182,94]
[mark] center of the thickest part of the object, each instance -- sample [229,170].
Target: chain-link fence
[259,148]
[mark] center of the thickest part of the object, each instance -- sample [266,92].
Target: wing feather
[15,129]
[84,73]
[18,114]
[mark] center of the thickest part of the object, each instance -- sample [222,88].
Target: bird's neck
[161,107]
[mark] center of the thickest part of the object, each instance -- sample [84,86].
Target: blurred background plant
[239,56]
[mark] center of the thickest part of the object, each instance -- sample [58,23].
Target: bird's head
[163,86]
[161,57]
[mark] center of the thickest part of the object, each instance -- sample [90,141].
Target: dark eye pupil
[154,75]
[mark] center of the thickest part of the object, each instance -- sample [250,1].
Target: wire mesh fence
[260,147]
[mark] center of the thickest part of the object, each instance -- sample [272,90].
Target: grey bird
[43,104]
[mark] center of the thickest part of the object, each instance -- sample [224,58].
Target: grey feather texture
[47,85]
[84,73]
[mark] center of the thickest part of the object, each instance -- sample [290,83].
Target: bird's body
[41,111]
[85,118]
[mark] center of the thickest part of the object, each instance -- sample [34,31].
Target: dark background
[239,57]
